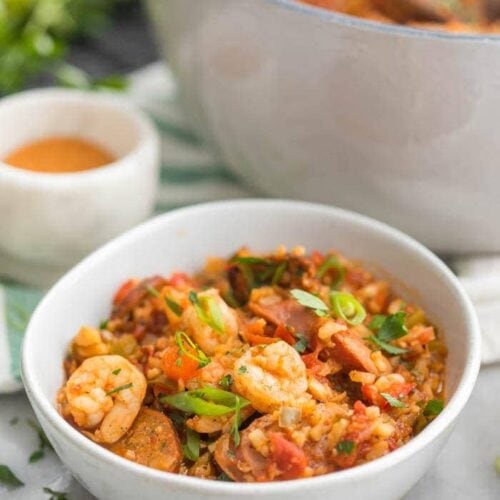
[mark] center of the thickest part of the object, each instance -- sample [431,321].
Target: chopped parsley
[395,403]
[119,388]
[117,371]
[433,407]
[226,381]
[36,455]
[103,324]
[242,369]
[43,443]
[377,322]
[302,344]
[310,301]
[393,327]
[223,477]
[8,478]
[390,328]
[55,495]
[345,447]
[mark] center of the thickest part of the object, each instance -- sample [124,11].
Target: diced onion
[289,416]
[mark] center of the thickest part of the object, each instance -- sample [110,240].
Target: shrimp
[202,333]
[104,395]
[271,376]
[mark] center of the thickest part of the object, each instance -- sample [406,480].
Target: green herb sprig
[8,478]
[387,329]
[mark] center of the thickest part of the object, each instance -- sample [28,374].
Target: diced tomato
[371,395]
[124,290]
[426,335]
[400,390]
[290,460]
[311,360]
[177,366]
[359,407]
[317,257]
[179,280]
[283,333]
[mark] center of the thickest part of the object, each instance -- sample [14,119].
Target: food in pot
[447,15]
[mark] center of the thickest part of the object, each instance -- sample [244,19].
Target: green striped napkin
[190,173]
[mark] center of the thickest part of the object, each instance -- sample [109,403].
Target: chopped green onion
[391,349]
[181,339]
[332,263]
[377,322]
[207,401]
[302,343]
[278,273]
[242,369]
[174,306]
[208,311]
[393,327]
[152,291]
[345,447]
[395,403]
[103,325]
[8,478]
[119,388]
[226,381]
[191,448]
[433,407]
[117,371]
[309,300]
[251,260]
[347,307]
[235,431]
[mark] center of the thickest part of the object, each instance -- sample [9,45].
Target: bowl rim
[430,433]
[377,26]
[147,136]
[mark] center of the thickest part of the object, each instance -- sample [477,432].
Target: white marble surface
[465,470]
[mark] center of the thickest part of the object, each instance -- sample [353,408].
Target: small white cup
[48,222]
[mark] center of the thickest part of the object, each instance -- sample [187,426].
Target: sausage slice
[151,441]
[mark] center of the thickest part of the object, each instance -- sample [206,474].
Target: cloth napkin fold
[191,173]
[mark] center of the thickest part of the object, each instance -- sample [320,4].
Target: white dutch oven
[394,122]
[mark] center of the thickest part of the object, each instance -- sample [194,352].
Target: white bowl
[397,123]
[181,240]
[48,222]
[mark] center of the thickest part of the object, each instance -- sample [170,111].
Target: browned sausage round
[152,441]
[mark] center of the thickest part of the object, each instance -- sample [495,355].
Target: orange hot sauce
[59,155]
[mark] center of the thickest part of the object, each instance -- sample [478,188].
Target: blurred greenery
[35,36]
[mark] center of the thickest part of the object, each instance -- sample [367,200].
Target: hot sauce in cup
[58,155]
